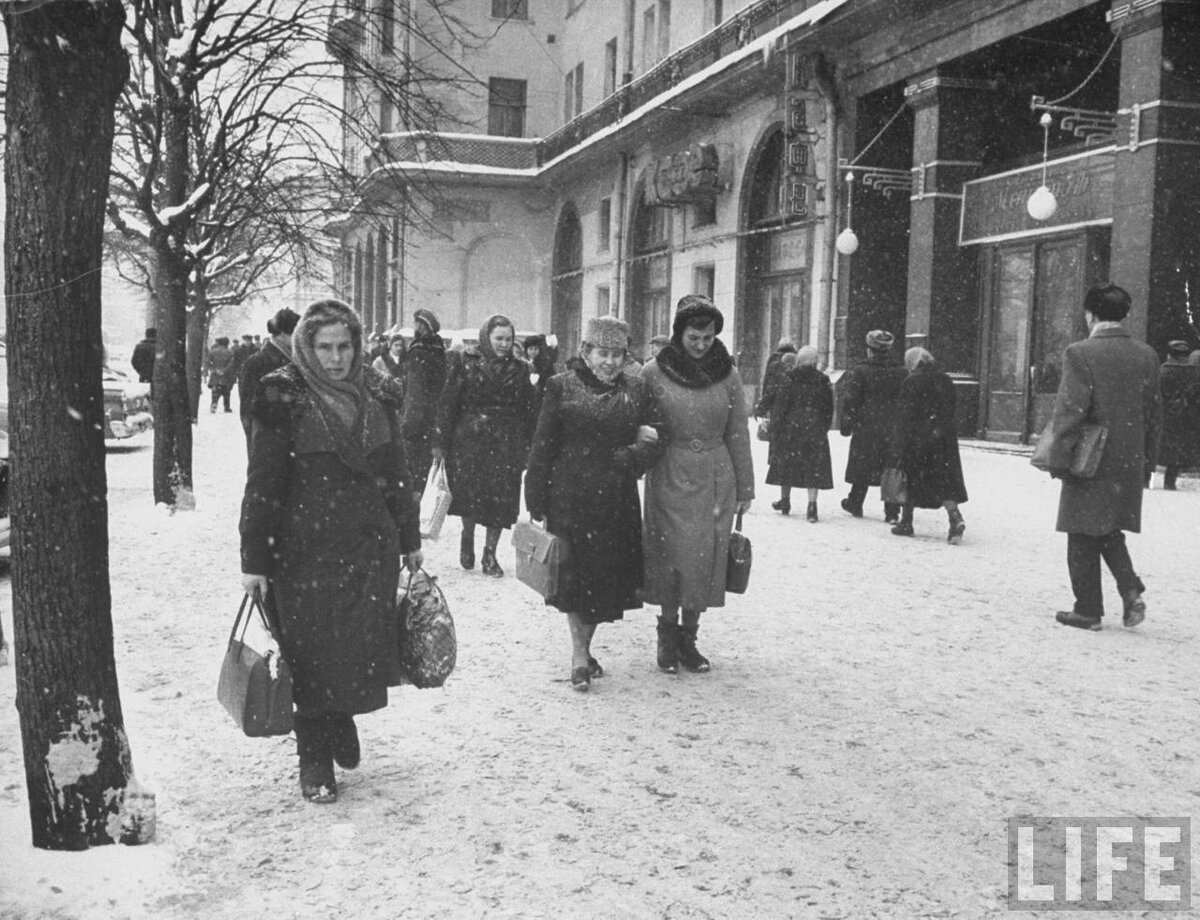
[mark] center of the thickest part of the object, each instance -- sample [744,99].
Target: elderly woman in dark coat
[925,444]
[485,423]
[594,438]
[705,477]
[800,418]
[327,514]
[1179,448]
[425,375]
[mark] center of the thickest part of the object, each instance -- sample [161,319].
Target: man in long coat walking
[1112,380]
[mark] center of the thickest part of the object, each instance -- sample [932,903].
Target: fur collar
[686,371]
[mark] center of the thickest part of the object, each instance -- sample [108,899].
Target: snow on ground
[878,707]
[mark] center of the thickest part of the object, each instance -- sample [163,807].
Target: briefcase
[1083,451]
[541,557]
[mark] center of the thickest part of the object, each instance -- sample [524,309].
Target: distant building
[616,154]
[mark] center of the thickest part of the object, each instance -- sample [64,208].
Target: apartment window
[510,9]
[385,115]
[664,28]
[714,13]
[603,300]
[604,230]
[649,38]
[704,280]
[610,68]
[506,107]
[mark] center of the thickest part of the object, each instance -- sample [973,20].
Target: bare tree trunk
[199,320]
[66,67]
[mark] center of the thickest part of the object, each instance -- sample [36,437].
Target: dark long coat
[485,423]
[868,416]
[267,359]
[1180,444]
[1108,379]
[926,440]
[802,410]
[222,369]
[329,537]
[425,370]
[770,382]
[582,478]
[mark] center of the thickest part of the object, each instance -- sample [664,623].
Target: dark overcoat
[802,410]
[267,359]
[582,478]
[329,538]
[925,442]
[1112,380]
[1180,444]
[485,423]
[425,372]
[868,416]
[770,382]
[222,368]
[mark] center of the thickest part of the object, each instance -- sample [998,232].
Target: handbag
[255,685]
[893,486]
[741,555]
[764,429]
[541,557]
[435,501]
[428,644]
[1079,454]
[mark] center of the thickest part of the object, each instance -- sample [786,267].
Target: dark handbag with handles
[255,686]
[741,555]
[1078,455]
[893,486]
[428,643]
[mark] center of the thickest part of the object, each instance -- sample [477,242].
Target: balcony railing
[474,149]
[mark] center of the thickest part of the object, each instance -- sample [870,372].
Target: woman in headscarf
[705,477]
[595,437]
[327,515]
[800,418]
[485,423]
[425,370]
[925,444]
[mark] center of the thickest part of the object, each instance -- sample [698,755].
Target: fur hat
[698,311]
[427,317]
[606,332]
[879,340]
[1178,348]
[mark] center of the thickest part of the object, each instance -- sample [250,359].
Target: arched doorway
[566,298]
[776,259]
[650,272]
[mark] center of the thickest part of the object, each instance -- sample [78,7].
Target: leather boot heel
[668,647]
[689,656]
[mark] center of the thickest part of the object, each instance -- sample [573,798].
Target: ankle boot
[489,565]
[317,783]
[466,550]
[811,516]
[668,646]
[689,657]
[343,739]
[957,526]
[783,506]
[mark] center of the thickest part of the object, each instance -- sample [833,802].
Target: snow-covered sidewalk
[878,707]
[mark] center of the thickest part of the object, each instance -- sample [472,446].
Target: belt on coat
[697,445]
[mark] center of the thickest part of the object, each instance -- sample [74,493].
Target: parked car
[126,403]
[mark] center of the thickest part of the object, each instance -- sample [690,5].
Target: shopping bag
[893,486]
[764,429]
[255,685]
[540,557]
[435,501]
[428,644]
[741,555]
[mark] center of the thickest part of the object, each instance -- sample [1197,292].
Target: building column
[1156,186]
[943,308]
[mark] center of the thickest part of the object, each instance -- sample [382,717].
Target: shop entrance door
[1035,301]
[781,310]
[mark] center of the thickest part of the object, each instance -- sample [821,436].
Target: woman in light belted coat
[704,478]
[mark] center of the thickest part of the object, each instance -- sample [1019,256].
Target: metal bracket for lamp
[1091,125]
[878,178]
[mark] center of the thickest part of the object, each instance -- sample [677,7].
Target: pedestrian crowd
[343,434]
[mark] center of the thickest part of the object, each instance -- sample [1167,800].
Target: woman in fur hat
[327,514]
[594,439]
[485,422]
[704,478]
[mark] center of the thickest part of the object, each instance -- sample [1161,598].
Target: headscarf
[807,356]
[915,357]
[429,319]
[493,322]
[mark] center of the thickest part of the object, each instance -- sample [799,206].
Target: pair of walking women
[682,422]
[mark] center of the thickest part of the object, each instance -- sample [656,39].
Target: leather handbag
[1078,455]
[255,685]
[435,501]
[893,486]
[741,555]
[428,642]
[541,557]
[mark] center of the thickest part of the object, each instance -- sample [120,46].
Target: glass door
[1008,363]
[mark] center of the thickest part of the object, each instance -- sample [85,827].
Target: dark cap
[1179,348]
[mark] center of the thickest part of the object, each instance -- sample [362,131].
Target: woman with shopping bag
[328,513]
[595,437]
